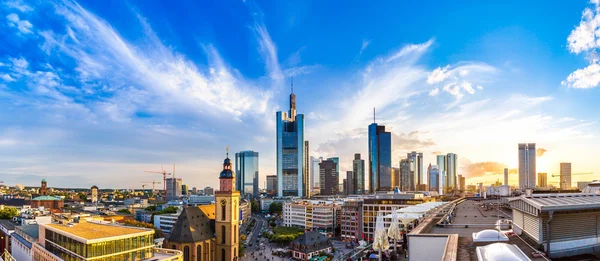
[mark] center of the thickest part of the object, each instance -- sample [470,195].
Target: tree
[8,212]
[242,249]
[150,208]
[168,210]
[275,208]
[254,207]
[126,211]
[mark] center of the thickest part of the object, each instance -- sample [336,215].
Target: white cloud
[434,92]
[6,77]
[468,87]
[268,49]
[364,45]
[588,77]
[479,87]
[295,71]
[24,26]
[19,5]
[585,38]
[438,75]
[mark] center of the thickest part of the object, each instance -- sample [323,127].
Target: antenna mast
[373,114]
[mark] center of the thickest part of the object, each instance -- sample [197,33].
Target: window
[222,254]
[236,233]
[224,212]
[174,247]
[199,253]
[223,235]
[186,253]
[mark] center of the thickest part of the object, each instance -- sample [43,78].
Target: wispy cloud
[365,44]
[19,5]
[24,26]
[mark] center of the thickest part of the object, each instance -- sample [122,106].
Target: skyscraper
[358,171]
[416,168]
[314,171]
[451,168]
[441,163]
[349,188]
[272,184]
[329,177]
[406,176]
[305,171]
[290,152]
[461,182]
[395,177]
[565,175]
[173,188]
[380,158]
[526,165]
[246,170]
[542,179]
[433,172]
[505,176]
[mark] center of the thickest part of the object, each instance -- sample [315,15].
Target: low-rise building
[384,203]
[351,225]
[94,241]
[143,216]
[48,202]
[311,214]
[165,222]
[196,200]
[309,244]
[561,224]
[133,203]
[7,228]
[22,240]
[245,210]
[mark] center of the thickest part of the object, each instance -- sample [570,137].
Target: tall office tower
[246,170]
[526,165]
[173,188]
[433,172]
[395,177]
[314,171]
[184,189]
[542,179]
[349,188]
[329,178]
[358,171]
[441,163]
[380,157]
[306,172]
[406,176]
[462,181]
[272,184]
[344,187]
[451,167]
[290,151]
[416,168]
[565,175]
[505,176]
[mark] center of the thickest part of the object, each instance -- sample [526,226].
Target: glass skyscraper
[451,168]
[358,171]
[246,164]
[526,165]
[434,177]
[291,154]
[416,168]
[380,158]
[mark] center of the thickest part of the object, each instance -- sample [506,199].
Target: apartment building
[311,214]
[385,203]
[351,221]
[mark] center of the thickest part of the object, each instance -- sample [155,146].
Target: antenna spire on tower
[227,150]
[292,84]
[373,114]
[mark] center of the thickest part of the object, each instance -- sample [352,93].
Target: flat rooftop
[93,231]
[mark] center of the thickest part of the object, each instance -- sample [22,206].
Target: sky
[97,92]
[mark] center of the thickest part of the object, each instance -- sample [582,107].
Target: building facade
[358,171]
[384,204]
[565,175]
[351,226]
[311,214]
[505,176]
[434,177]
[290,152]
[527,165]
[173,188]
[462,181]
[208,191]
[329,178]
[451,171]
[314,171]
[94,194]
[406,177]
[246,165]
[542,180]
[416,169]
[47,202]
[380,158]
[272,184]
[349,186]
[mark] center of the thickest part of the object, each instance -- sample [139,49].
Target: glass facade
[434,178]
[291,153]
[451,165]
[358,170]
[246,163]
[416,168]
[130,248]
[380,158]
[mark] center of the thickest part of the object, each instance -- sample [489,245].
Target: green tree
[126,211]
[242,249]
[150,208]
[276,208]
[8,212]
[254,207]
[168,210]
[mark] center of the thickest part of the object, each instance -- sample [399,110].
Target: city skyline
[88,98]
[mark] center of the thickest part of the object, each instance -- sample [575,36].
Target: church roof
[46,198]
[209,210]
[192,225]
[310,241]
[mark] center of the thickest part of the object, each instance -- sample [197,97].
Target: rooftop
[557,202]
[191,226]
[93,231]
[46,198]
[209,210]
[7,224]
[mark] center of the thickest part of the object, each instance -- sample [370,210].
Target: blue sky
[96,92]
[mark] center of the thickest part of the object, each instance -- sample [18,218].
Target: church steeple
[227,178]
[227,215]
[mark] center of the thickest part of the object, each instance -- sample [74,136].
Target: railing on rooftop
[6,256]
[176,254]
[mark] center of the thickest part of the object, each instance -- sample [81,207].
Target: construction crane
[572,174]
[164,173]
[153,182]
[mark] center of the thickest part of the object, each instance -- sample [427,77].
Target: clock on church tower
[227,215]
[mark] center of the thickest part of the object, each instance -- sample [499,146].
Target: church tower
[227,215]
